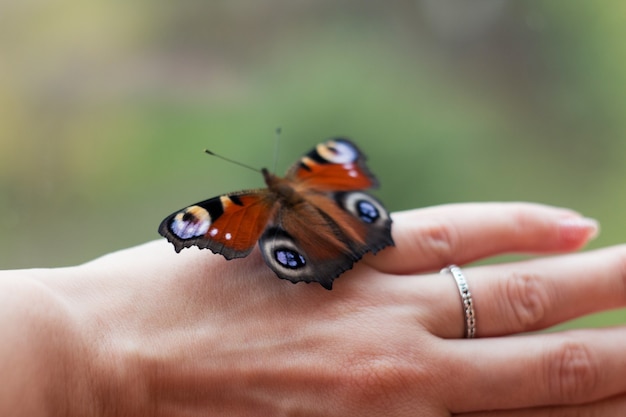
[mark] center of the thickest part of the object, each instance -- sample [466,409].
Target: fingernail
[577,228]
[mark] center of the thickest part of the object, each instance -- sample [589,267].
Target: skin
[146,331]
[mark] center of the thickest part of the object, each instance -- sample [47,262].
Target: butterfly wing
[229,224]
[319,240]
[334,165]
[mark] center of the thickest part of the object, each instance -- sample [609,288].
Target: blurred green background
[106,106]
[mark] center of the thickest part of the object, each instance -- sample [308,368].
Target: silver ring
[466,297]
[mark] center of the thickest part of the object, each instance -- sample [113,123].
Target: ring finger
[529,295]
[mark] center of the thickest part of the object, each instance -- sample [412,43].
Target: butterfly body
[311,225]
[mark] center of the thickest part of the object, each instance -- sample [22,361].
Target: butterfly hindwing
[324,238]
[373,220]
[229,224]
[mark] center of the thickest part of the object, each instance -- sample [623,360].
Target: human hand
[189,334]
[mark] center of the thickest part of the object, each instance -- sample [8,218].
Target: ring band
[466,297]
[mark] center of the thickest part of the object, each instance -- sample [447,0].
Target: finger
[530,295]
[576,367]
[430,238]
[610,407]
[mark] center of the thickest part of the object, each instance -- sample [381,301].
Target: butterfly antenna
[232,161]
[276,146]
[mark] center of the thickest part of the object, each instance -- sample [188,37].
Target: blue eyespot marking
[367,211]
[289,258]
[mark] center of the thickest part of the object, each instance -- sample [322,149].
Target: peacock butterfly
[311,225]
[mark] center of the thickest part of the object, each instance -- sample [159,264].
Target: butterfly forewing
[334,165]
[229,225]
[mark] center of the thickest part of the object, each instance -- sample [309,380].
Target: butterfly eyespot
[364,206]
[289,258]
[367,211]
[284,255]
[192,222]
[337,152]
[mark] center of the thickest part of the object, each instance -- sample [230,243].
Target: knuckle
[438,240]
[572,373]
[524,216]
[527,298]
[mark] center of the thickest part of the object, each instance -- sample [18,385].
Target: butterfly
[311,225]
